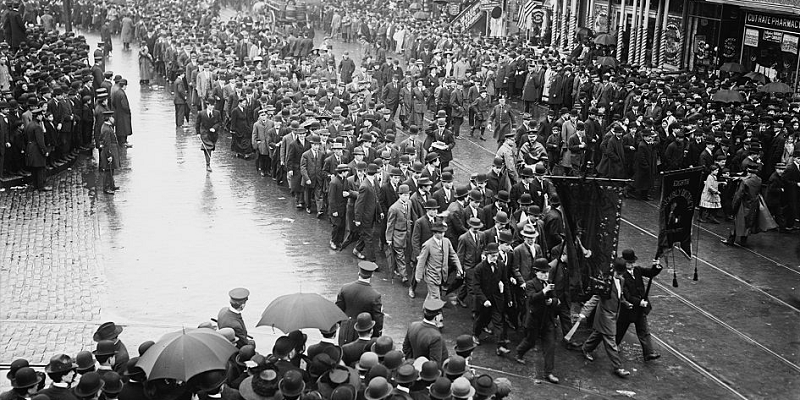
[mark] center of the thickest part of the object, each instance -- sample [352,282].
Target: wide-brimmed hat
[107,331]
[529,231]
[60,363]
[439,226]
[474,222]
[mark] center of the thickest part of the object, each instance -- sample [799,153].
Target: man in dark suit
[456,224]
[473,208]
[423,338]
[207,123]
[553,222]
[179,99]
[745,206]
[391,96]
[469,248]
[540,323]
[293,157]
[420,197]
[313,177]
[337,206]
[635,293]
[358,297]
[367,213]
[606,312]
[500,204]
[445,194]
[351,352]
[490,286]
[231,316]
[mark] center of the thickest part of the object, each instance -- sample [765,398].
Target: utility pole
[68,15]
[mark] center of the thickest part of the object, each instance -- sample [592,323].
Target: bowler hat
[619,264]
[144,346]
[431,204]
[382,345]
[454,365]
[25,377]
[464,343]
[525,199]
[462,389]
[540,264]
[498,162]
[292,383]
[89,385]
[60,363]
[441,389]
[406,373]
[105,348]
[462,191]
[526,172]
[432,156]
[343,392]
[424,181]
[367,361]
[85,361]
[132,371]
[417,167]
[475,195]
[378,389]
[393,359]
[629,255]
[112,383]
[364,322]
[485,386]
[15,366]
[502,196]
[505,236]
[403,189]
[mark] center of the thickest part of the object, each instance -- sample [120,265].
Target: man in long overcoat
[122,113]
[745,206]
[207,125]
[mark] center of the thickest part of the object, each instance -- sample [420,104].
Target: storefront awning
[774,6]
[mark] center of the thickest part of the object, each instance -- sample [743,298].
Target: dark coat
[229,319]
[203,126]
[522,270]
[353,299]
[469,250]
[311,169]
[336,202]
[109,148]
[635,288]
[351,352]
[606,310]
[122,113]
[745,204]
[367,208]
[14,29]
[36,150]
[612,164]
[424,340]
[539,312]
[420,234]
[644,167]
[486,285]
[532,91]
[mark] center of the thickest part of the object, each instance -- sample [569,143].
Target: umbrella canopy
[607,61]
[776,87]
[733,67]
[727,96]
[421,15]
[301,310]
[184,354]
[605,39]
[756,77]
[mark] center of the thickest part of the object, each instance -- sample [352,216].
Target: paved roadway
[162,253]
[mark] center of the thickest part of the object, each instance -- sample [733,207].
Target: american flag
[523,19]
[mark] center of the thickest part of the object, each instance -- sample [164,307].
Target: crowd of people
[352,140]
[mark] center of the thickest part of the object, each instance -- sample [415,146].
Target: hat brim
[246,390]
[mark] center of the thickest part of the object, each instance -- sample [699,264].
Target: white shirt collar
[233,310]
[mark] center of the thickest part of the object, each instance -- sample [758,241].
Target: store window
[770,46]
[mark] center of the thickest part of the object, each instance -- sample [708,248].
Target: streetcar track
[735,277]
[796,271]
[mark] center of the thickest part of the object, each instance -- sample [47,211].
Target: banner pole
[696,252]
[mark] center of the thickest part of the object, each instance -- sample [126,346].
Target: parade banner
[591,210]
[680,194]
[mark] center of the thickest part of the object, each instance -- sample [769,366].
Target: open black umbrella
[605,39]
[607,61]
[184,354]
[756,77]
[727,96]
[732,67]
[301,310]
[776,87]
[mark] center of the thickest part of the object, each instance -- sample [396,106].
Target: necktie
[492,265]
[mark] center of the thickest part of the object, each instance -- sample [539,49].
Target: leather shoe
[519,360]
[588,356]
[411,293]
[551,378]
[622,373]
[501,351]
[652,356]
[476,340]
